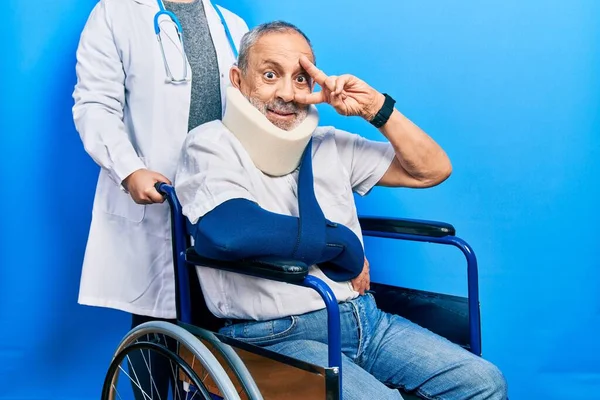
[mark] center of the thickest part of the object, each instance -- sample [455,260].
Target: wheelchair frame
[296,273]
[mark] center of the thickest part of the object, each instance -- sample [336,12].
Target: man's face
[274,76]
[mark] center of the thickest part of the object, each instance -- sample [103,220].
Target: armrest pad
[407,226]
[269,268]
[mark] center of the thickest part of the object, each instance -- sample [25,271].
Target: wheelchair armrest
[407,226]
[275,269]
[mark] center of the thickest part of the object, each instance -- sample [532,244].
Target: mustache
[281,106]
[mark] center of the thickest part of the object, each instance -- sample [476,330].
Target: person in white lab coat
[135,100]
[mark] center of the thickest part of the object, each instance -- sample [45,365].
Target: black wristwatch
[384,114]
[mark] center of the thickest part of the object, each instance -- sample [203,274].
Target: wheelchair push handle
[159,186]
[167,191]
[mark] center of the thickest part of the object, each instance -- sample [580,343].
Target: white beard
[301,113]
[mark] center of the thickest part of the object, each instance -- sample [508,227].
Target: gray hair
[252,36]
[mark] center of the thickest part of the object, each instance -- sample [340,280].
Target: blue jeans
[382,353]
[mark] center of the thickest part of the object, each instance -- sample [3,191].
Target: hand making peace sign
[349,95]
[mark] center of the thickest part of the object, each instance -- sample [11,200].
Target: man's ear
[235,76]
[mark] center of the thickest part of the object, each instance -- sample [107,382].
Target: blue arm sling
[240,229]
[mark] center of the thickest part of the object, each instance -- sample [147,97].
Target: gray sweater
[206,90]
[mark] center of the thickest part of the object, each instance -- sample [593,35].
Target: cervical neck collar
[274,151]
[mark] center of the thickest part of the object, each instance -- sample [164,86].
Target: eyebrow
[271,63]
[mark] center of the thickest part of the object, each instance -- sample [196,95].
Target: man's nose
[286,91]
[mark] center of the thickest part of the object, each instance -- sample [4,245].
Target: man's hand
[346,93]
[363,281]
[140,186]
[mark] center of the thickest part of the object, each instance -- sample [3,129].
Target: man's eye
[301,79]
[269,75]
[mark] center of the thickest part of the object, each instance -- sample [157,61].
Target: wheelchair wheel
[180,355]
[232,362]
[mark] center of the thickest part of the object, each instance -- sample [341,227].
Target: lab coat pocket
[112,200]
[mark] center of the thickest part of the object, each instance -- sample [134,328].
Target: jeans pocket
[262,332]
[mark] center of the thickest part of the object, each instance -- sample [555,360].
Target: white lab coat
[129,118]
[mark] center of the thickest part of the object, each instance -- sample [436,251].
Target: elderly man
[266,181]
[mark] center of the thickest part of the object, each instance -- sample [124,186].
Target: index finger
[154,196]
[311,98]
[315,73]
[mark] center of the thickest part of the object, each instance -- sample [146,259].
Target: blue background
[510,89]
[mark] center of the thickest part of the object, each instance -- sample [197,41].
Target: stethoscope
[179,29]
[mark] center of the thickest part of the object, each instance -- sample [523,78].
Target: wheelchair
[207,365]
